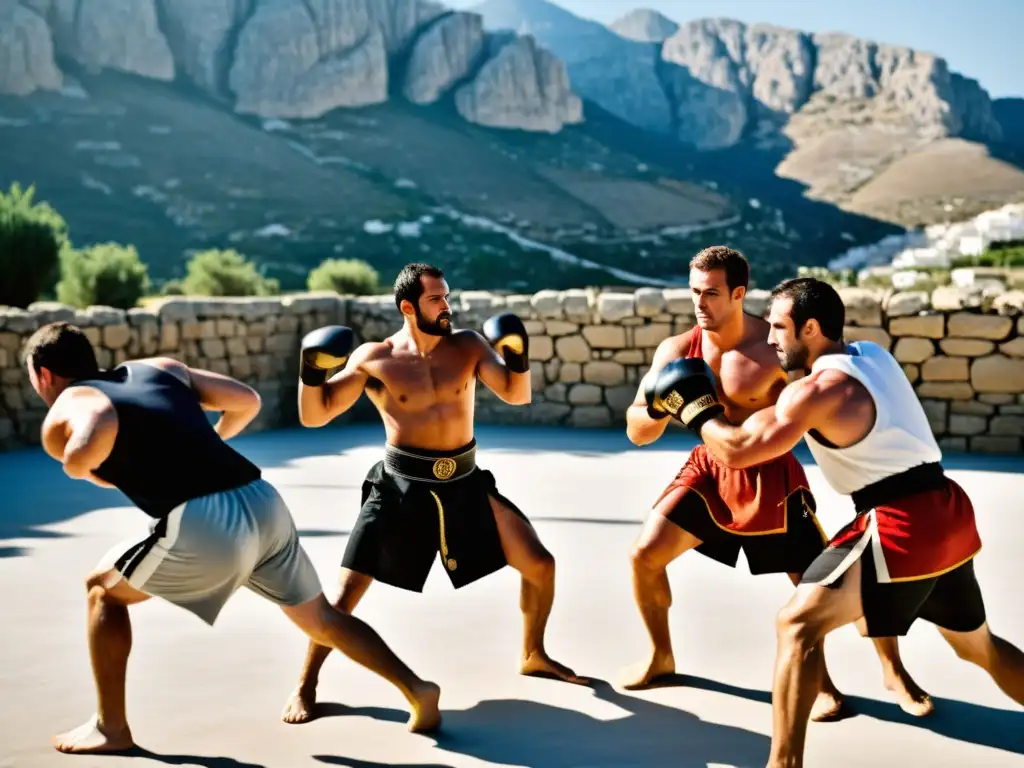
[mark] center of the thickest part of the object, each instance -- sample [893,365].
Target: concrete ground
[212,697]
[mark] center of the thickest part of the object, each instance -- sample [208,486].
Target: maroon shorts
[767,510]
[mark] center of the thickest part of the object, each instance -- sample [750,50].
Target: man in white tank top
[909,551]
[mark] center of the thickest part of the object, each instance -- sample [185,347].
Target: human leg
[661,541]
[110,642]
[812,612]
[524,551]
[299,707]
[332,628]
[910,697]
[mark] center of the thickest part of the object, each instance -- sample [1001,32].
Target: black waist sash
[430,466]
[919,479]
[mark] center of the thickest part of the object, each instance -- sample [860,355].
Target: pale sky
[981,39]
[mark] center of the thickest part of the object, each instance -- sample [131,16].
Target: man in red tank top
[767,511]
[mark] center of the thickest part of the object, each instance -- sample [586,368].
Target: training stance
[216,524]
[428,495]
[907,554]
[767,509]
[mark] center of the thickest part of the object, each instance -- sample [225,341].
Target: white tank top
[901,437]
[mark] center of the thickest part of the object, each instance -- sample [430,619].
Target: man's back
[166,451]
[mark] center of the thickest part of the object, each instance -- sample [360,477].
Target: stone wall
[589,349]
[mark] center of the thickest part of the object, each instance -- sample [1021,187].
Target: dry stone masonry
[588,349]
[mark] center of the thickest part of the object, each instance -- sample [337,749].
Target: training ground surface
[212,697]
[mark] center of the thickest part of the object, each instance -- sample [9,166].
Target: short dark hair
[63,349]
[814,299]
[737,270]
[409,287]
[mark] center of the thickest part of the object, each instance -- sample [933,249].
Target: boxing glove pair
[507,334]
[323,350]
[685,390]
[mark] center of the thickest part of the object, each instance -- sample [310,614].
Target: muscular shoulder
[822,391]
[371,351]
[177,369]
[76,403]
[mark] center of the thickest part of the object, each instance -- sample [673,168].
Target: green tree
[32,236]
[109,274]
[225,273]
[350,276]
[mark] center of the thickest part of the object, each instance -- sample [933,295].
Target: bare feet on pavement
[426,715]
[299,707]
[647,673]
[909,696]
[92,738]
[539,663]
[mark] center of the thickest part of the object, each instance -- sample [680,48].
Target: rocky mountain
[837,109]
[644,26]
[521,146]
[294,58]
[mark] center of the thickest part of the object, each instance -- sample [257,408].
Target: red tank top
[695,342]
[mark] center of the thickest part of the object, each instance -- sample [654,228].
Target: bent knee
[649,557]
[800,622]
[541,567]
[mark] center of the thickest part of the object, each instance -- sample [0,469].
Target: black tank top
[166,451]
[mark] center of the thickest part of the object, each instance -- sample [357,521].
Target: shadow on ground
[538,735]
[960,720]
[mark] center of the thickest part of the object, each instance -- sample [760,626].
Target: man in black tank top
[216,524]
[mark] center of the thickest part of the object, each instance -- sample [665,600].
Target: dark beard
[794,361]
[435,328]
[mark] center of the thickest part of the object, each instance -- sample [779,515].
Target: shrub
[344,276]
[32,236]
[108,274]
[225,273]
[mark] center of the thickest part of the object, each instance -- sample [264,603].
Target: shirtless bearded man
[768,510]
[428,495]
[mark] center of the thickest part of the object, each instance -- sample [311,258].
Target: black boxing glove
[323,350]
[650,380]
[507,334]
[685,389]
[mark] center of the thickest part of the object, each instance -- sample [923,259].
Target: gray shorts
[207,548]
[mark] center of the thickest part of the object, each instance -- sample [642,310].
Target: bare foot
[827,706]
[299,707]
[647,673]
[426,715]
[909,695]
[539,664]
[91,738]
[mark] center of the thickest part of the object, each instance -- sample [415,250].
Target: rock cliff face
[26,52]
[713,82]
[523,87]
[644,26]
[284,58]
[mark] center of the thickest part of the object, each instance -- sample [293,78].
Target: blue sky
[982,39]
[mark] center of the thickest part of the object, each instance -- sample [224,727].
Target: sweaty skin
[424,388]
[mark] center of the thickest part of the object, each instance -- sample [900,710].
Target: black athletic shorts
[418,503]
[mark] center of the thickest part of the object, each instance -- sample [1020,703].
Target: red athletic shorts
[767,510]
[917,548]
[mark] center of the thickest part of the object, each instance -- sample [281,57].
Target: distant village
[913,259]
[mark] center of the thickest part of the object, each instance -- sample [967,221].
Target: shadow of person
[351,762]
[960,720]
[203,761]
[538,735]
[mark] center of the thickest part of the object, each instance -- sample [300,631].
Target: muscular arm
[319,405]
[513,388]
[774,430]
[641,429]
[79,432]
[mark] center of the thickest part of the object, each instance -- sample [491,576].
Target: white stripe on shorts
[141,569]
[854,553]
